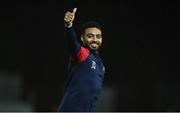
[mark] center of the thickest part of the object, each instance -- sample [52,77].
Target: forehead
[93,30]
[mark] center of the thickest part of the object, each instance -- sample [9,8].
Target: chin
[93,49]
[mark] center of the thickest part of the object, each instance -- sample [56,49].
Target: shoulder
[82,54]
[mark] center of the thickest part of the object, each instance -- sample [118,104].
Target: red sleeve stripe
[82,54]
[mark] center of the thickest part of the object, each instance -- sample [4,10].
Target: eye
[90,35]
[99,36]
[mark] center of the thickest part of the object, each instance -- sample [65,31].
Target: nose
[95,38]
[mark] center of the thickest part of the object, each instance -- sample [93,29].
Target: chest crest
[93,64]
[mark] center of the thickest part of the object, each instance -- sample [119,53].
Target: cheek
[100,41]
[87,40]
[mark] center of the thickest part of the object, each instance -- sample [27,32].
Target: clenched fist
[69,18]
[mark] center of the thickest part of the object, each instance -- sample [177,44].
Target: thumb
[74,10]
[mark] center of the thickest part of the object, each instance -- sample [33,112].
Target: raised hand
[69,18]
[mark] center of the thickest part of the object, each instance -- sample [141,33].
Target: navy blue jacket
[86,73]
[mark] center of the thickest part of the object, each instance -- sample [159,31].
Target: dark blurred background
[140,53]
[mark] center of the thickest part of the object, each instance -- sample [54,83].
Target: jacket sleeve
[77,51]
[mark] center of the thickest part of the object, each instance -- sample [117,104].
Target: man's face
[92,38]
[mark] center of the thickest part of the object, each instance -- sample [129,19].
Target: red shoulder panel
[82,54]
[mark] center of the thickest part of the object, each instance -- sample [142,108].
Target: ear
[82,38]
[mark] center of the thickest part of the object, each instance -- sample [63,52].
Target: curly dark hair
[90,24]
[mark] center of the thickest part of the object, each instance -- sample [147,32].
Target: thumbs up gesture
[69,18]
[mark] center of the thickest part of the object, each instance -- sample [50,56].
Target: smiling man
[86,69]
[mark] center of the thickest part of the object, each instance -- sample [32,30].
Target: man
[86,70]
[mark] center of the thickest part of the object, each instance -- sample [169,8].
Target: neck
[94,52]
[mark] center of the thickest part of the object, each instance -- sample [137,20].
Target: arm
[73,44]
[77,51]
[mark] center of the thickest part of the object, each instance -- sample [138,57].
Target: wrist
[69,25]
